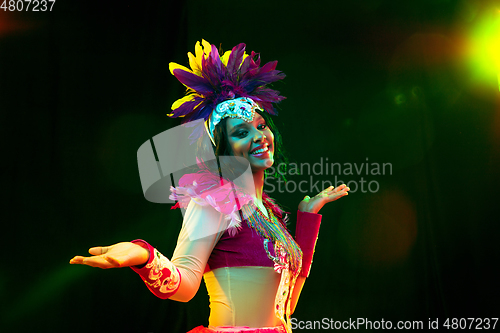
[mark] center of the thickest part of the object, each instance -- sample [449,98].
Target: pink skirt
[237,329]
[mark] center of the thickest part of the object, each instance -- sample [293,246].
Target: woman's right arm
[179,278]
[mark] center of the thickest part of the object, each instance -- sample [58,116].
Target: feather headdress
[213,79]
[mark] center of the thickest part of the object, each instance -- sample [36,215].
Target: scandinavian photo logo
[323,174]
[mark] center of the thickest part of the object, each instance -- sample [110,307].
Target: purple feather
[255,60]
[262,79]
[201,111]
[186,107]
[270,66]
[218,83]
[195,82]
[269,95]
[245,66]
[209,73]
[234,61]
[216,62]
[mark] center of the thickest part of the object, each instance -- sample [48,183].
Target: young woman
[234,236]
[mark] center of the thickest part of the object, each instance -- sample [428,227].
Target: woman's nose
[259,136]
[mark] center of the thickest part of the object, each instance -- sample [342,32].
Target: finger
[98,250]
[338,195]
[345,190]
[306,198]
[340,188]
[333,189]
[328,191]
[113,261]
[76,260]
[98,261]
[325,191]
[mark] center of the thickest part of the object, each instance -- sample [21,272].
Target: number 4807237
[27,5]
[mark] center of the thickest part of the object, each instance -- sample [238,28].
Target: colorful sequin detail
[287,261]
[271,229]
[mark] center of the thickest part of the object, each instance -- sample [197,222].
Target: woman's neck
[258,179]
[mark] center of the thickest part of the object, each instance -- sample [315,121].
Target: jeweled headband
[233,85]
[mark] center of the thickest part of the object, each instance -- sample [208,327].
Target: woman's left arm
[307,229]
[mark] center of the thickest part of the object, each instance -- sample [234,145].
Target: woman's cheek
[236,148]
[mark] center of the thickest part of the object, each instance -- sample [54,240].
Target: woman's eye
[241,134]
[262,126]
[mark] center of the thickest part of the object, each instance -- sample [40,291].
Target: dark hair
[223,147]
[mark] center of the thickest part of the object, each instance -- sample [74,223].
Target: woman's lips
[261,147]
[262,151]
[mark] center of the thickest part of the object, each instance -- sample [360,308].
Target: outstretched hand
[313,205]
[122,254]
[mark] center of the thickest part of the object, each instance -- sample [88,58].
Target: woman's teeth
[260,151]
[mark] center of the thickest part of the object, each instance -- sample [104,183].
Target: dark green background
[82,87]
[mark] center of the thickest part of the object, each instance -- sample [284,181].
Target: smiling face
[253,141]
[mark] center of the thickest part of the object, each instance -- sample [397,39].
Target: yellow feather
[171,114]
[207,48]
[225,57]
[194,64]
[182,100]
[173,66]
[198,51]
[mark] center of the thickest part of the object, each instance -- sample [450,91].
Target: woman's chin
[262,165]
[269,163]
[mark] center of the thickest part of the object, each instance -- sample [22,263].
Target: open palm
[122,254]
[313,205]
